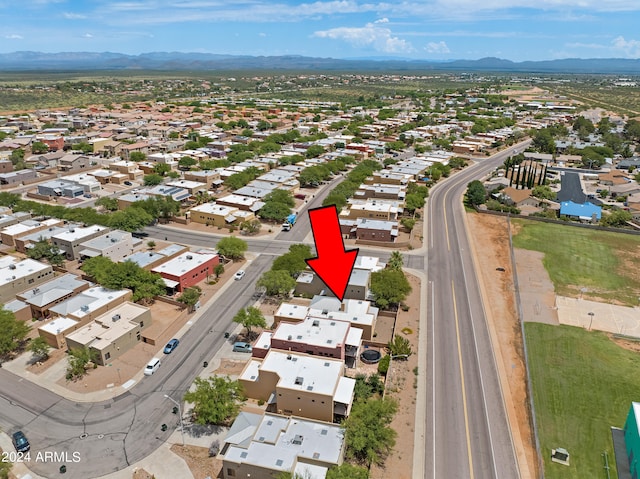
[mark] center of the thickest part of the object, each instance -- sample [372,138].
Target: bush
[383,365]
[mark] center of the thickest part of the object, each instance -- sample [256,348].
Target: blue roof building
[585,211]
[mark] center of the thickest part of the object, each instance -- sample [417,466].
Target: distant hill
[27,60]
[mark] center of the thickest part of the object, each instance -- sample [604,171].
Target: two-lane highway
[467,431]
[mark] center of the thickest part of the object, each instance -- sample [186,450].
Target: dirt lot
[490,233]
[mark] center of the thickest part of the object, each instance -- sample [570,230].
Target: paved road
[467,434]
[126,429]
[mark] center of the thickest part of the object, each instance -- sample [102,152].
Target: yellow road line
[464,394]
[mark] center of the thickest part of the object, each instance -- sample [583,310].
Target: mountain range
[28,60]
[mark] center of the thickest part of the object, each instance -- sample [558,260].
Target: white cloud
[382,20]
[372,34]
[13,37]
[262,34]
[87,35]
[631,48]
[74,16]
[439,48]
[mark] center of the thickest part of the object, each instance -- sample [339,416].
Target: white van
[152,367]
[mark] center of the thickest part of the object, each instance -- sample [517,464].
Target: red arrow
[333,264]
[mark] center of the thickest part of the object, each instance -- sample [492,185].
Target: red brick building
[187,269]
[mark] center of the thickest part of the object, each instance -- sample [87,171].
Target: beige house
[219,215]
[371,209]
[299,384]
[54,331]
[113,333]
[91,303]
[17,276]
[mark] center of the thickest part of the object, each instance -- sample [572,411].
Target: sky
[516,30]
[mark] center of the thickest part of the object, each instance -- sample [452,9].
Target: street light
[180,413]
[590,313]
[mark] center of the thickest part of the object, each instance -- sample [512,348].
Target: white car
[152,367]
[239,275]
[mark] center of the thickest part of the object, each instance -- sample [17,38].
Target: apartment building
[115,245]
[187,269]
[18,275]
[70,241]
[299,384]
[41,298]
[261,447]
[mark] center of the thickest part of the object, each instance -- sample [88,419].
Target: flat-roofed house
[90,303]
[114,245]
[219,215]
[316,336]
[187,269]
[18,275]
[262,447]
[70,241]
[299,384]
[113,333]
[55,291]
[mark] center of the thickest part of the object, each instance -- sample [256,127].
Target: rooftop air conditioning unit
[12,266]
[115,317]
[189,256]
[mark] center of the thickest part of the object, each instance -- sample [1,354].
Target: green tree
[17,156]
[152,179]
[294,261]
[190,297]
[131,219]
[314,151]
[216,400]
[39,348]
[5,469]
[186,162]
[108,203]
[151,244]
[137,156]
[408,223]
[369,438]
[218,270]
[250,317]
[399,346]
[276,282]
[9,199]
[396,261]
[232,247]
[413,202]
[616,218]
[476,194]
[274,211]
[281,196]
[78,360]
[543,192]
[250,227]
[38,148]
[347,471]
[12,332]
[389,287]
[43,249]
[161,169]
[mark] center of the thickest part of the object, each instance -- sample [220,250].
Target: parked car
[128,183]
[20,442]
[151,367]
[171,345]
[239,275]
[241,347]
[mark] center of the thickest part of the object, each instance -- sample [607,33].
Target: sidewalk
[48,378]
[162,463]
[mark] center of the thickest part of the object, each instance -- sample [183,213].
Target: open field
[621,99]
[600,265]
[583,383]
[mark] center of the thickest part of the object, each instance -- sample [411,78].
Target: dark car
[501,269]
[128,183]
[171,345]
[20,442]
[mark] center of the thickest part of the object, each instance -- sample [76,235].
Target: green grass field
[583,383]
[576,258]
